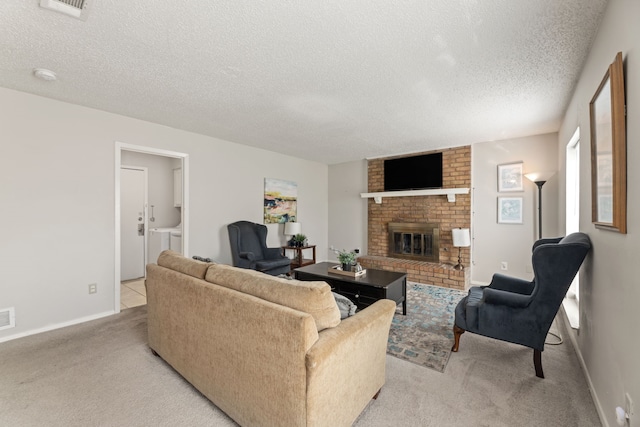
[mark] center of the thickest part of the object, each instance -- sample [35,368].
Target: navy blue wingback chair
[249,249]
[518,311]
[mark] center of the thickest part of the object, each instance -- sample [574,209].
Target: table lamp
[461,239]
[291,229]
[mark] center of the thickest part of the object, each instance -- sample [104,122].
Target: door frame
[571,301]
[145,213]
[184,211]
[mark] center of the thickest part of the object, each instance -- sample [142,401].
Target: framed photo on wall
[609,151]
[510,177]
[510,210]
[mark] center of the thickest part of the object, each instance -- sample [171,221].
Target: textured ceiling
[330,81]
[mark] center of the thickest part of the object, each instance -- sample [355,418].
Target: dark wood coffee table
[363,290]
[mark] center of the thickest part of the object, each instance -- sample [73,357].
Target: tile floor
[132,293]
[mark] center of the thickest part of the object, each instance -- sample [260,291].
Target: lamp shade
[539,176]
[292,228]
[461,237]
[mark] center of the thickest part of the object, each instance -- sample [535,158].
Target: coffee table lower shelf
[363,290]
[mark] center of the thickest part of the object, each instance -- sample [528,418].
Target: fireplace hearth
[415,241]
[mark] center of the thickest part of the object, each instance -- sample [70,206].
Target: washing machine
[160,240]
[175,240]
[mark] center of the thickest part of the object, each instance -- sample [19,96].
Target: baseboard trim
[571,333]
[57,326]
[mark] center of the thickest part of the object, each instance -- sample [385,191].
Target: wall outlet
[93,288]
[504,265]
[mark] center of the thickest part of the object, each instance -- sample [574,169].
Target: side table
[299,260]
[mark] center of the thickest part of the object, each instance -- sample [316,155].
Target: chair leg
[537,362]
[457,331]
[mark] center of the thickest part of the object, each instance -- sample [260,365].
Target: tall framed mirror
[609,151]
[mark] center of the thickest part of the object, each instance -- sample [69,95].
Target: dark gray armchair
[518,311]
[249,249]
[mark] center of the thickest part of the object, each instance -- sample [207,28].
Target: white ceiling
[325,80]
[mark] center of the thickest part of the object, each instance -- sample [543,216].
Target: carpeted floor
[101,373]
[425,335]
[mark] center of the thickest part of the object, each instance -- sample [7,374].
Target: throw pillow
[345,305]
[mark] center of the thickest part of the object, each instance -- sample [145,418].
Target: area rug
[425,335]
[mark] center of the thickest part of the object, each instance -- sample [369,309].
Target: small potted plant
[299,240]
[347,259]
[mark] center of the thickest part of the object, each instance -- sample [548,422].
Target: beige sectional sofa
[267,351]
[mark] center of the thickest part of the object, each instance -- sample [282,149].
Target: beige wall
[493,242]
[609,285]
[347,210]
[58,191]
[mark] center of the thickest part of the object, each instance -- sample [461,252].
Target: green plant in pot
[347,259]
[299,240]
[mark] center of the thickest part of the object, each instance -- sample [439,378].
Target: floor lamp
[539,178]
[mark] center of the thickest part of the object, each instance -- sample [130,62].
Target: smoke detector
[44,74]
[77,8]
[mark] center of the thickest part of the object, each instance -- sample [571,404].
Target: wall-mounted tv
[413,173]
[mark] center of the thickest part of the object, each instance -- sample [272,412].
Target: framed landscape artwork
[510,210]
[510,177]
[609,152]
[280,201]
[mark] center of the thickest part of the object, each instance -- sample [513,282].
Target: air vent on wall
[7,318]
[76,8]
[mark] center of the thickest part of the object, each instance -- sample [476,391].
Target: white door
[132,228]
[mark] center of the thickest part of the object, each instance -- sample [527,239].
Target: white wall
[347,210]
[609,286]
[58,203]
[493,243]
[160,177]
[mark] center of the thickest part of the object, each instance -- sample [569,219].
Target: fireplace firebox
[415,241]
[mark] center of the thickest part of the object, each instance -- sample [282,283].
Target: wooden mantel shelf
[449,192]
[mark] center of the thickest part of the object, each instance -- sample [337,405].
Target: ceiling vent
[76,8]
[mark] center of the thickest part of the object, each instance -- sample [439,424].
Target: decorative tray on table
[338,270]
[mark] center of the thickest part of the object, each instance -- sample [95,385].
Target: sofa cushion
[177,262]
[314,298]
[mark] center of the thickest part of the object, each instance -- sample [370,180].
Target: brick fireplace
[456,165]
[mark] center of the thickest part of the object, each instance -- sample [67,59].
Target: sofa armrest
[247,255]
[346,366]
[273,253]
[506,298]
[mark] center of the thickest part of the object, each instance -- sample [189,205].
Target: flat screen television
[413,173]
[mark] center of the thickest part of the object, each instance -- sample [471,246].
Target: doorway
[134,186]
[571,302]
[132,221]
[133,216]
